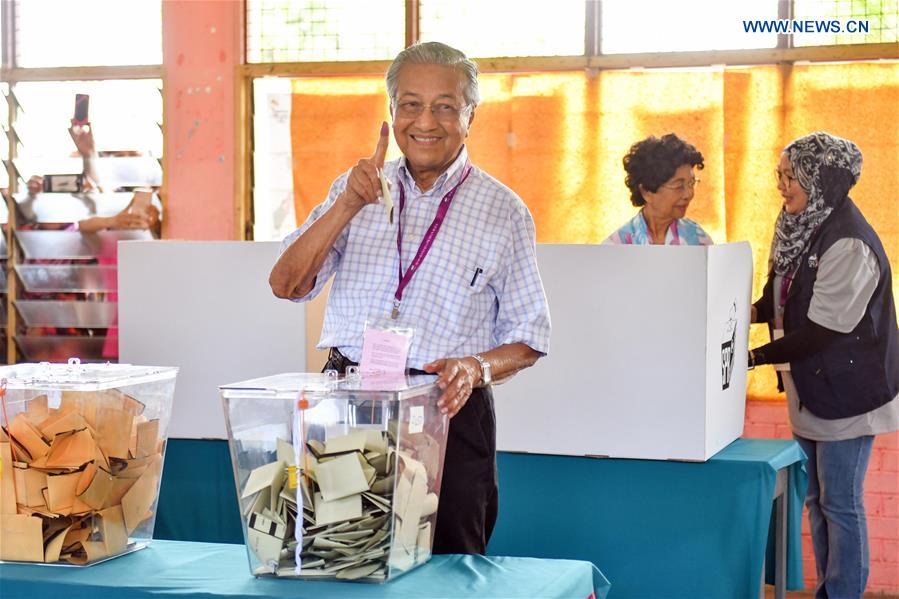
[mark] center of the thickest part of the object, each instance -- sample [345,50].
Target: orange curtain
[557,139]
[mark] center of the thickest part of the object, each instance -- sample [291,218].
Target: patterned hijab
[826,167]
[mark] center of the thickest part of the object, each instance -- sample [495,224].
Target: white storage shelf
[59,348]
[66,278]
[73,245]
[62,300]
[61,313]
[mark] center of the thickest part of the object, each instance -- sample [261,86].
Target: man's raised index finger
[381,148]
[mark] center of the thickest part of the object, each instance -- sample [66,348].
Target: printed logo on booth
[728,341]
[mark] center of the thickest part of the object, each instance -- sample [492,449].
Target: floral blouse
[682,231]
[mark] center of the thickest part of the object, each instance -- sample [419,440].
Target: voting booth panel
[648,354]
[207,307]
[728,306]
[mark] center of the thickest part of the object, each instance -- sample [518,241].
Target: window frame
[592,61]
[593,58]
[12,74]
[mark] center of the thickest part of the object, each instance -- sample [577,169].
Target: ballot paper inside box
[81,455]
[336,478]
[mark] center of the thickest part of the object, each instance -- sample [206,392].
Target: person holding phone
[140,212]
[82,102]
[83,137]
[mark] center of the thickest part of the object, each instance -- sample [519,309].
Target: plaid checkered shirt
[477,288]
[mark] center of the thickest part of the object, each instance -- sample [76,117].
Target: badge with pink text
[385,350]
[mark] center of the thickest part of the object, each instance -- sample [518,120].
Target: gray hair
[435,53]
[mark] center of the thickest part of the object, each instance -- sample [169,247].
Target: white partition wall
[641,338]
[728,304]
[206,307]
[647,357]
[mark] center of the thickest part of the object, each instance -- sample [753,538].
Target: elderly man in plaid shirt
[456,262]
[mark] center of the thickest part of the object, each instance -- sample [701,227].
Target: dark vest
[858,371]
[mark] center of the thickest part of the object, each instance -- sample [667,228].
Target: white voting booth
[206,307]
[647,357]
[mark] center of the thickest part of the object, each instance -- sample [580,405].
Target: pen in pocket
[477,271]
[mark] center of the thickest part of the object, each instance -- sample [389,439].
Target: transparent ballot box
[82,448]
[337,478]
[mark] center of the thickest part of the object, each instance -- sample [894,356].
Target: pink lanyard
[675,238]
[786,281]
[426,242]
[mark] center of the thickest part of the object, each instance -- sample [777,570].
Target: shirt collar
[672,237]
[448,175]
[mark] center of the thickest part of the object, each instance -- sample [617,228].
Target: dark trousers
[469,496]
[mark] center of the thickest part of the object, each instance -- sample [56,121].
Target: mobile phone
[64,183]
[82,102]
[140,203]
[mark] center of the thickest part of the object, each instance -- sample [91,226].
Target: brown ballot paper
[28,436]
[137,501]
[78,479]
[7,487]
[147,438]
[112,529]
[71,450]
[21,538]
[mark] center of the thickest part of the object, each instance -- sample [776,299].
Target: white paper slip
[338,510]
[354,441]
[416,419]
[385,197]
[384,352]
[269,476]
[341,477]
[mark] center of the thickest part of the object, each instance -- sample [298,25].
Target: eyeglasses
[683,185]
[784,178]
[442,111]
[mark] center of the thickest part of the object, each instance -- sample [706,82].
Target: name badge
[385,349]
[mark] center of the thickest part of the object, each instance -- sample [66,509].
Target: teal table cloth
[655,528]
[211,570]
[198,498]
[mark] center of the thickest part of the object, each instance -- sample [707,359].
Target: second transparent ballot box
[337,478]
[81,456]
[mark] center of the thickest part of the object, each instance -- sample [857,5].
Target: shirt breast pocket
[471,304]
[476,277]
[473,278]
[480,288]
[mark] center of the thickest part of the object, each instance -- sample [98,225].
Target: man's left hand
[456,377]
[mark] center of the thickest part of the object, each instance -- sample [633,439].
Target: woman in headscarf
[829,303]
[661,179]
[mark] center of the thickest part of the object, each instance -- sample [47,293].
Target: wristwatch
[486,372]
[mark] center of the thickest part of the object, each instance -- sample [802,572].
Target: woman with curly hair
[661,180]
